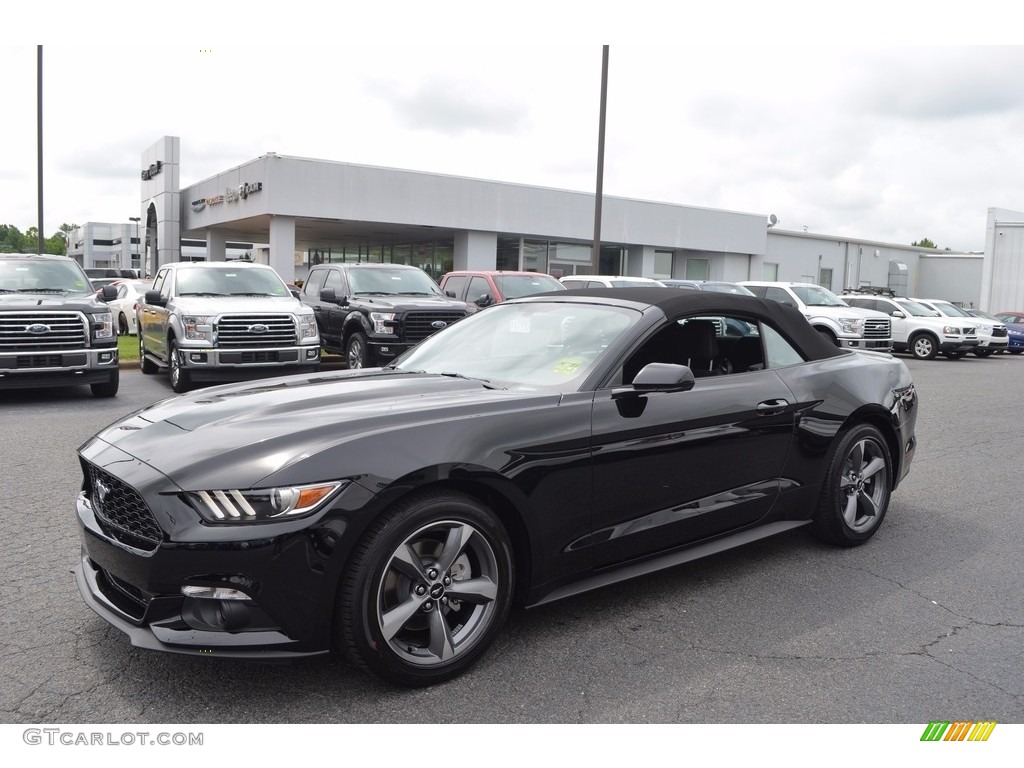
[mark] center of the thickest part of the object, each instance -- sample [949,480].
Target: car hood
[835,311]
[383,303]
[45,301]
[238,434]
[224,305]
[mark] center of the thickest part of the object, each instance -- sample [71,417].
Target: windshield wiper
[453,375]
[416,293]
[372,293]
[201,293]
[46,290]
[254,294]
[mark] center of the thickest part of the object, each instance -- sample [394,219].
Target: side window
[574,283]
[779,353]
[758,290]
[336,282]
[780,295]
[315,281]
[455,287]
[477,287]
[163,283]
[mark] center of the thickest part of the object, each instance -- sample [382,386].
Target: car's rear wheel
[855,495]
[427,589]
[146,365]
[982,352]
[181,381]
[923,346]
[122,325]
[356,350]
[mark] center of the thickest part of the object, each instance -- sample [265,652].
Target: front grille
[417,325]
[56,330]
[121,511]
[877,328]
[998,333]
[256,331]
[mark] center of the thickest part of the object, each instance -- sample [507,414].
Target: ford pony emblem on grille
[258,328]
[438,324]
[37,328]
[102,491]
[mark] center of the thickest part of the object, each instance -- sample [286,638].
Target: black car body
[546,446]
[55,329]
[372,313]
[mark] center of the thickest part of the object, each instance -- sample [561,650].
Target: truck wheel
[355,350]
[181,381]
[146,365]
[828,335]
[122,325]
[107,388]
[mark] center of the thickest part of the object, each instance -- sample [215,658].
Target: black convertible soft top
[675,303]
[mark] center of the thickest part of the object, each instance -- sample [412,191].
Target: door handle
[772,407]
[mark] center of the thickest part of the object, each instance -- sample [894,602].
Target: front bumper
[380,353]
[213,362]
[878,345]
[57,368]
[958,345]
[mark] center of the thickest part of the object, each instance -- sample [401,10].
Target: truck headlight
[262,505]
[307,325]
[381,320]
[853,325]
[102,324]
[198,327]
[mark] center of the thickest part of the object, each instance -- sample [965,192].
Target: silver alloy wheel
[436,597]
[863,487]
[356,351]
[923,347]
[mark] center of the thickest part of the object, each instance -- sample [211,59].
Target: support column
[640,261]
[282,246]
[216,245]
[475,250]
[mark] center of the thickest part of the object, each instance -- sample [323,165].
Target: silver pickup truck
[224,321]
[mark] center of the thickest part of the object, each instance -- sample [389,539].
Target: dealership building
[293,212]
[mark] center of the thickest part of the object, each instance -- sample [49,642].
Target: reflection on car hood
[237,434]
[379,303]
[45,300]
[222,305]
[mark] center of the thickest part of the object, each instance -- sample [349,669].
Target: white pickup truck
[224,321]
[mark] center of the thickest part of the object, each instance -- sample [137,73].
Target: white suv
[609,281]
[846,326]
[992,334]
[917,329]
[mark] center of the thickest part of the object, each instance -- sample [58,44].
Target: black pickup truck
[54,328]
[372,313]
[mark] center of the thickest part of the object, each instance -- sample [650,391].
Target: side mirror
[897,313]
[154,297]
[294,293]
[658,377]
[450,294]
[108,293]
[329,296]
[485,300]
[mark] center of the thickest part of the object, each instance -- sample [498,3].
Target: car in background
[992,336]
[829,315]
[482,288]
[130,293]
[1014,331]
[917,329]
[609,281]
[709,285]
[544,447]
[1015,327]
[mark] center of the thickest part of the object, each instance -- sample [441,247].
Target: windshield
[43,276]
[728,288]
[917,310]
[514,286]
[533,346]
[816,296]
[625,282]
[242,281]
[387,281]
[951,310]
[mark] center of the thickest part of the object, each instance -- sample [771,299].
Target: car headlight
[102,324]
[381,320]
[262,505]
[198,327]
[307,325]
[952,330]
[851,324]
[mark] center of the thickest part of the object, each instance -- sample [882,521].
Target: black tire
[955,355]
[109,387]
[146,365]
[1015,351]
[983,352]
[181,380]
[356,350]
[397,615]
[828,335]
[923,346]
[122,325]
[857,487]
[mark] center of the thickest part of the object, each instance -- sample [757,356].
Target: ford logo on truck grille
[438,324]
[37,328]
[258,328]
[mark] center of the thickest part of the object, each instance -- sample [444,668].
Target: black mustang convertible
[536,449]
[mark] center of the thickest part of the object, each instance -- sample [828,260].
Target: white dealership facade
[301,211]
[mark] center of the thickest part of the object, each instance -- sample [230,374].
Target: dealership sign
[153,170]
[231,195]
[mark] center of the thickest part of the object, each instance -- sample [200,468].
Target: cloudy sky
[889,142]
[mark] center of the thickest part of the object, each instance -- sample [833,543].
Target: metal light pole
[595,254]
[138,240]
[39,140]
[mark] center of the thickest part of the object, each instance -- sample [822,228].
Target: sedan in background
[544,447]
[129,294]
[1014,322]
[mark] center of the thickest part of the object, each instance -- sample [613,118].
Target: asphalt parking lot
[925,622]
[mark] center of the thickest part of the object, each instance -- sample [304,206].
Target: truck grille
[121,511]
[50,331]
[234,331]
[877,328]
[416,325]
[999,332]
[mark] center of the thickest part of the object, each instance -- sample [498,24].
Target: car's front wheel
[146,365]
[427,589]
[923,346]
[855,494]
[356,350]
[181,381]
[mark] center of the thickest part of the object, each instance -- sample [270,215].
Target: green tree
[924,242]
[11,239]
